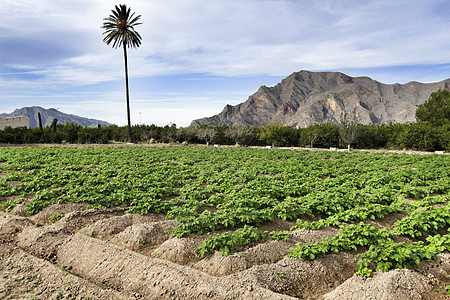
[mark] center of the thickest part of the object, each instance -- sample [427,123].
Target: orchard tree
[241,135]
[348,127]
[420,136]
[207,134]
[436,109]
[312,133]
[272,133]
[187,134]
[327,135]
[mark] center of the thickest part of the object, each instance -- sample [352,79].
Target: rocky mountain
[305,98]
[47,116]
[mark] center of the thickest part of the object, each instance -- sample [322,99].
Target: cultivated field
[222,223]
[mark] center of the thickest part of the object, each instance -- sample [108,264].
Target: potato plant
[236,190]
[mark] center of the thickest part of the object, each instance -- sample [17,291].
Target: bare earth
[108,254]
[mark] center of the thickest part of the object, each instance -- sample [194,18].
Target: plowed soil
[108,254]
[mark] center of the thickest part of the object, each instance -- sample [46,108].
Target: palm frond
[119,28]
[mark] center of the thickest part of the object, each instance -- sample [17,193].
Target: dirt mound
[180,251]
[11,225]
[125,270]
[144,234]
[312,236]
[42,242]
[109,254]
[24,276]
[75,220]
[219,265]
[105,228]
[395,284]
[299,278]
[46,213]
[267,253]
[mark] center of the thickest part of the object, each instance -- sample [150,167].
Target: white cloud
[51,47]
[236,37]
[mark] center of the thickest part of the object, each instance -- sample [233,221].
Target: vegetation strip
[236,190]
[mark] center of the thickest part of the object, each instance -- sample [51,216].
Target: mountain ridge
[305,98]
[47,116]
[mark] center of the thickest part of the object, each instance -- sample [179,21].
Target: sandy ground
[107,254]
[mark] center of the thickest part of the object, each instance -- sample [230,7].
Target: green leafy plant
[55,217]
[226,242]
[236,190]
[423,221]
[8,205]
[348,238]
[386,254]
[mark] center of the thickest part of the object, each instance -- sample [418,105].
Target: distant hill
[305,98]
[47,116]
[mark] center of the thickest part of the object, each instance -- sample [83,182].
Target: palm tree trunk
[128,93]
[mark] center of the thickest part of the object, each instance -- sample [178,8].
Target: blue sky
[199,55]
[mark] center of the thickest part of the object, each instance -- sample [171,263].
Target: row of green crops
[236,190]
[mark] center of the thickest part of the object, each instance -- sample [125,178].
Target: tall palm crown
[119,29]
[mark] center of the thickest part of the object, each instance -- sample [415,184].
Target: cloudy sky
[199,55]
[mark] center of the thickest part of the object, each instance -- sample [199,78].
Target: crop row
[236,190]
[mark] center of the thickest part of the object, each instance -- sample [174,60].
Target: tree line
[431,132]
[419,135]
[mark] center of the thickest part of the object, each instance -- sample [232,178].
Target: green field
[231,192]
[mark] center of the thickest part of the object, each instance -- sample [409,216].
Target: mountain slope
[305,98]
[47,116]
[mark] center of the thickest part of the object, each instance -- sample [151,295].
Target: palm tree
[119,28]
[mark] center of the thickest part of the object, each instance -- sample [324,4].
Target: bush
[420,136]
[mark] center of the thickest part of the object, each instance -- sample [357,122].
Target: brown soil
[108,254]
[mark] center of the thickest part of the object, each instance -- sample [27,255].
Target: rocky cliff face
[47,116]
[305,98]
